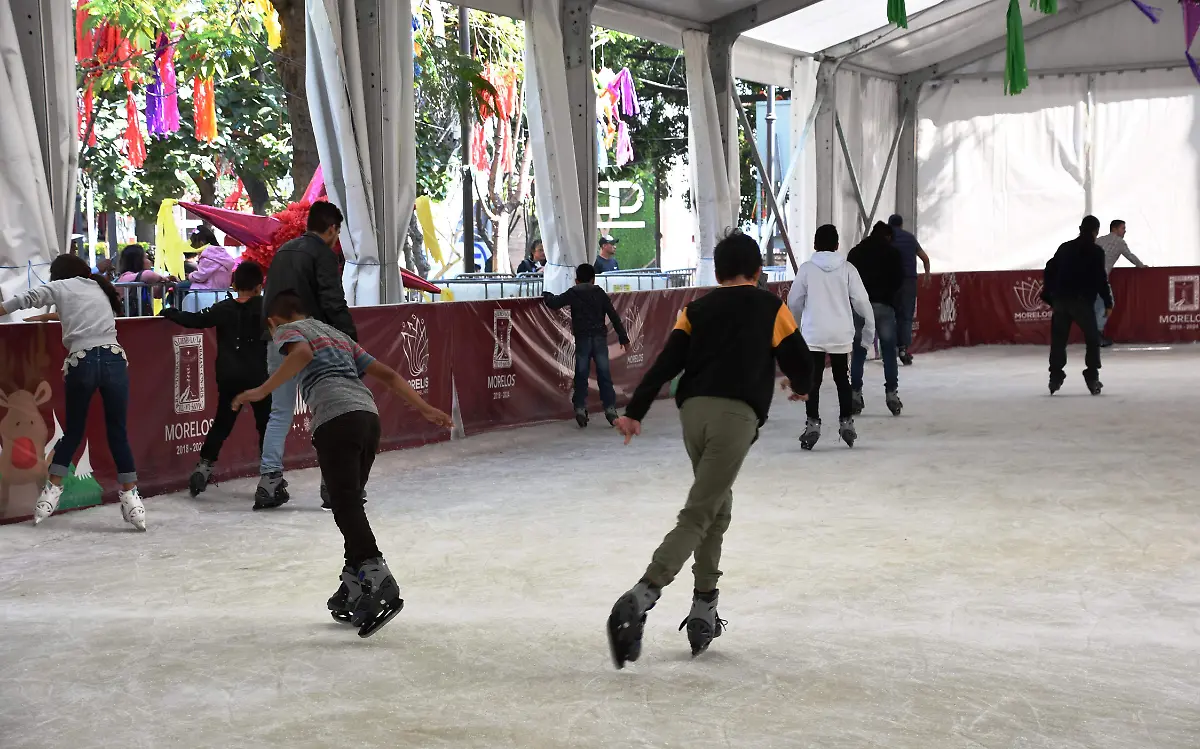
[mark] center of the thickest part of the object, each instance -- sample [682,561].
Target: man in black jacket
[589,306]
[241,362]
[307,266]
[1073,279]
[882,270]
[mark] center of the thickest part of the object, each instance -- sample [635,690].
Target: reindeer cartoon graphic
[23,436]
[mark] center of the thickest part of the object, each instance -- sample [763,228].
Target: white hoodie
[825,296]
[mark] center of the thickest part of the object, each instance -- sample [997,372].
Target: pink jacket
[214,269]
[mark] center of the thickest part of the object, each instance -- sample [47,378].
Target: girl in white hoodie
[825,297]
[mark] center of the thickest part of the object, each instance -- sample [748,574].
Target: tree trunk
[206,185]
[289,59]
[256,190]
[144,230]
[415,249]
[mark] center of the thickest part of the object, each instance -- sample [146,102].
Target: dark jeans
[885,328]
[104,370]
[226,417]
[906,313]
[1081,312]
[588,348]
[346,447]
[841,376]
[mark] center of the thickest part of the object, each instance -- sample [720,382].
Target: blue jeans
[588,348]
[905,314]
[283,410]
[1101,319]
[104,370]
[885,328]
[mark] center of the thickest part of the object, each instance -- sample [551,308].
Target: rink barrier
[510,361]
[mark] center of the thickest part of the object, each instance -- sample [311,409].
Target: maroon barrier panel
[511,362]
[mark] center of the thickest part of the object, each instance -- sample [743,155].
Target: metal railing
[138,297]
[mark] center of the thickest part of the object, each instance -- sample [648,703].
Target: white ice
[995,569]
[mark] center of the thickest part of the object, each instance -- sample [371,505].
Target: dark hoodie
[589,306]
[881,268]
[241,345]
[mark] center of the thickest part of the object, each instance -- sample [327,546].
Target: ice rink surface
[996,568]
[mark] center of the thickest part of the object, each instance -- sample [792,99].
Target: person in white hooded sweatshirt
[825,297]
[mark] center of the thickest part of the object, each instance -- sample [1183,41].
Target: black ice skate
[611,415]
[581,417]
[702,622]
[1094,385]
[341,604]
[812,433]
[200,478]
[858,404]
[379,600]
[1056,382]
[627,622]
[271,492]
[846,431]
[905,357]
[893,403]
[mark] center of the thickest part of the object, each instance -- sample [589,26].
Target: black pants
[226,417]
[346,447]
[1081,312]
[841,377]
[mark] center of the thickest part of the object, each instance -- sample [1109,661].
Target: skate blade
[376,623]
[700,635]
[623,638]
[341,617]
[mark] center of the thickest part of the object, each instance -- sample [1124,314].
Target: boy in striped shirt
[345,432]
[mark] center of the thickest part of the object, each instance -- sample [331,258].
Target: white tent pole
[862,209]
[887,165]
[767,181]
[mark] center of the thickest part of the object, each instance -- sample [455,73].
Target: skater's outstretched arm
[791,352]
[666,367]
[190,319]
[400,387]
[557,301]
[299,354]
[618,326]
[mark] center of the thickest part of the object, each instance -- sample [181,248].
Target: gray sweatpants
[717,433]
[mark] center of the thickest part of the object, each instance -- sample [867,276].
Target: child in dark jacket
[241,362]
[589,306]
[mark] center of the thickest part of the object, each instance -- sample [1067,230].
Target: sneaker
[893,403]
[47,502]
[627,622]
[846,431]
[1056,382]
[271,492]
[858,404]
[812,433]
[132,510]
[581,417]
[611,415]
[702,622]
[201,475]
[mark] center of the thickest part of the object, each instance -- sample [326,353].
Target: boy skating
[726,344]
[345,424]
[825,297]
[241,365]
[589,306]
[881,269]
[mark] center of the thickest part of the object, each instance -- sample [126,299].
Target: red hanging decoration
[479,154]
[235,197]
[204,103]
[135,144]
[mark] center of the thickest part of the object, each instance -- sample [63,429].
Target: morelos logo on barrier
[635,322]
[1029,296]
[1183,303]
[415,340]
[189,373]
[502,339]
[948,309]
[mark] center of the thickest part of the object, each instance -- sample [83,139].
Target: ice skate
[812,433]
[627,622]
[1094,385]
[201,475]
[893,403]
[132,510]
[581,417]
[341,604]
[611,415]
[846,431]
[47,502]
[1056,382]
[905,357]
[702,622]
[379,598]
[271,492]
[859,403]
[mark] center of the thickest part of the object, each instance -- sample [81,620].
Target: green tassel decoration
[898,14]
[1048,7]
[1016,74]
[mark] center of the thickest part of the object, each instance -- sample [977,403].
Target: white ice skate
[47,503]
[132,510]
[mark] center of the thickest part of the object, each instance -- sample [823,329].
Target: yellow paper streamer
[169,246]
[425,219]
[270,23]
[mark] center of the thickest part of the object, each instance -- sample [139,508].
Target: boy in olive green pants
[726,344]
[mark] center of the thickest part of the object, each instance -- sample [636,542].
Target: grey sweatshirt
[83,309]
